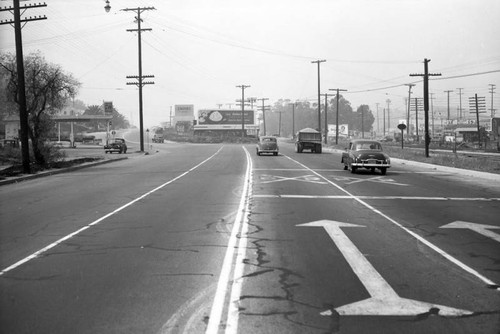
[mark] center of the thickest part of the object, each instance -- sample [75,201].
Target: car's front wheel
[383,171]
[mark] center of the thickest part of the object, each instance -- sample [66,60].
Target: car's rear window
[367,146]
[268,139]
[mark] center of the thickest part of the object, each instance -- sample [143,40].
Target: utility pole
[416,119]
[383,123]
[279,124]
[264,108]
[319,93]
[408,114]
[362,123]
[460,110]
[388,115]
[476,107]
[21,83]
[140,83]
[448,108]
[293,120]
[243,87]
[492,91]
[326,117]
[426,101]
[432,113]
[337,115]
[378,127]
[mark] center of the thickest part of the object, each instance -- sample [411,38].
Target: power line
[419,81]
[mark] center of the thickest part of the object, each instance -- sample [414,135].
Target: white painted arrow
[384,300]
[479,228]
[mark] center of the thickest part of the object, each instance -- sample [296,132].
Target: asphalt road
[212,238]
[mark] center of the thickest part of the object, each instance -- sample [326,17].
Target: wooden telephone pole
[426,76]
[23,111]
[140,78]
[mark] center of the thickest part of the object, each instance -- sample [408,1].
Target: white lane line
[412,198]
[413,234]
[69,236]
[234,300]
[224,277]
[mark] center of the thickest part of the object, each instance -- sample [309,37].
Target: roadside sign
[108,108]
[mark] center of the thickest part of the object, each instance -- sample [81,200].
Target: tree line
[49,88]
[285,118]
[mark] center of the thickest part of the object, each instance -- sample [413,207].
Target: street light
[107,8]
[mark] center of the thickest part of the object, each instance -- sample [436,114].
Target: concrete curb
[57,171]
[466,172]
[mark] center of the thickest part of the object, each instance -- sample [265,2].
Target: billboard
[184,110]
[343,130]
[225,117]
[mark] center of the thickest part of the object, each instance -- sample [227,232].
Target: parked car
[118,145]
[9,143]
[267,144]
[363,153]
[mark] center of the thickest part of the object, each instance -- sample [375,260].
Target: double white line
[240,229]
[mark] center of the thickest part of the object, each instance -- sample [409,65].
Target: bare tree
[48,88]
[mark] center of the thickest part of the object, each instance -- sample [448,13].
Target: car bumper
[371,164]
[268,151]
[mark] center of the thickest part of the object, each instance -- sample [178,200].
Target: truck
[158,135]
[308,139]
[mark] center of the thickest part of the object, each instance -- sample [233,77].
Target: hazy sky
[200,50]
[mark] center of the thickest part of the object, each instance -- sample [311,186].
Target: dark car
[363,153]
[267,144]
[118,145]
